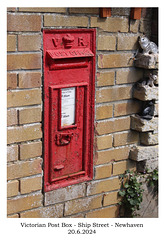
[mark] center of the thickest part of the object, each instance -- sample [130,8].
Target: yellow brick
[41,9]
[25,23]
[103,171]
[23,98]
[11,80]
[55,211]
[127,42]
[29,42]
[13,216]
[115,154]
[120,167]
[12,188]
[11,43]
[81,215]
[116,24]
[66,21]
[104,142]
[103,186]
[113,125]
[105,78]
[30,184]
[23,133]
[108,212]
[24,61]
[128,75]
[113,94]
[127,108]
[12,117]
[30,150]
[125,138]
[24,203]
[24,169]
[115,60]
[104,111]
[30,115]
[29,79]
[12,153]
[111,198]
[134,25]
[106,42]
[81,205]
[84,10]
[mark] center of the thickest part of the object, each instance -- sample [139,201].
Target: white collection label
[68,107]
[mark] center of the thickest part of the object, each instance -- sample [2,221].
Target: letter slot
[69,92]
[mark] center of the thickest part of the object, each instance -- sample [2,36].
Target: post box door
[69,84]
[68,130]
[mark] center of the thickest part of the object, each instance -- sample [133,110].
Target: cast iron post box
[69,95]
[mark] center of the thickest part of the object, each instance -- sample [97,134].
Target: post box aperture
[69,93]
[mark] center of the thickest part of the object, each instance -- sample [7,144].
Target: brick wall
[116,43]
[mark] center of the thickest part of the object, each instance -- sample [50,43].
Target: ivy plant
[131,193]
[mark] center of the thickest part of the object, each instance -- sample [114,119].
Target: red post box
[69,93]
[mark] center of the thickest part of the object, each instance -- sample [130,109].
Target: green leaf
[126,185]
[122,193]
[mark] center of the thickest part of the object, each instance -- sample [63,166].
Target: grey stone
[149,205]
[146,93]
[141,153]
[147,61]
[65,194]
[143,125]
[150,165]
[149,138]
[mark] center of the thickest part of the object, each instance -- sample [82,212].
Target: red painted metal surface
[69,92]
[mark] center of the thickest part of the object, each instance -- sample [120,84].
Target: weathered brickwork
[115,76]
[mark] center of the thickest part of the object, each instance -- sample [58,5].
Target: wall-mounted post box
[69,93]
